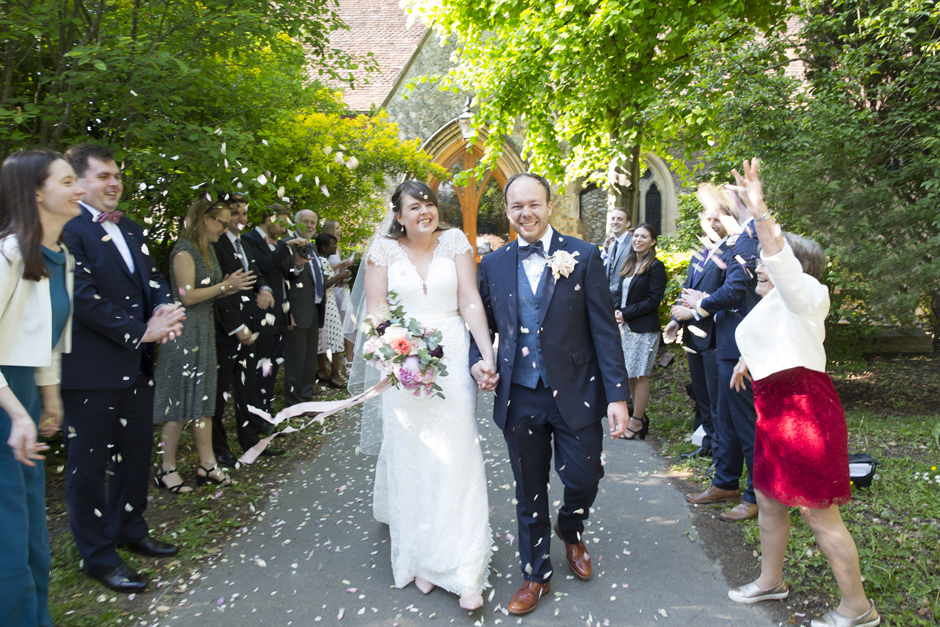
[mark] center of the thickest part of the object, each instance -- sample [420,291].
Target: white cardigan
[787,327]
[26,318]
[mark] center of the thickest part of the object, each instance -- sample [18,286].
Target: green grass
[895,522]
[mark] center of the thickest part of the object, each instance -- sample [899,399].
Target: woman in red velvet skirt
[801,441]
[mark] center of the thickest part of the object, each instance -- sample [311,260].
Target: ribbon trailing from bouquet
[321,408]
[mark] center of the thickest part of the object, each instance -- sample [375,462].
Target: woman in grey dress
[186,369]
[642,288]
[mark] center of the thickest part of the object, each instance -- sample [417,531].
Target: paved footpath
[316,555]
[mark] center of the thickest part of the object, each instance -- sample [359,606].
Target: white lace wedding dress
[430,486]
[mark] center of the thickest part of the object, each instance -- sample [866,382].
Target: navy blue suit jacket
[112,306]
[578,333]
[737,296]
[709,280]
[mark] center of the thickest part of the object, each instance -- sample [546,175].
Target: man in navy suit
[705,274]
[737,419]
[560,372]
[122,307]
[236,331]
[274,257]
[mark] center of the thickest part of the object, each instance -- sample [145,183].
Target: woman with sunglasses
[186,369]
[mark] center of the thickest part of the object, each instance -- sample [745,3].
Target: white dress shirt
[620,242]
[242,258]
[534,265]
[117,238]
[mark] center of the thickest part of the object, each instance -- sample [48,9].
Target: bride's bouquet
[408,354]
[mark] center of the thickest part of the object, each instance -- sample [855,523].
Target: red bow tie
[110,216]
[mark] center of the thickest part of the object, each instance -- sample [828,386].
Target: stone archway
[448,149]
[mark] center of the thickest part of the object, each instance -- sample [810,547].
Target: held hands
[239,281]
[485,375]
[740,373]
[618,315]
[165,324]
[617,418]
[265,299]
[749,188]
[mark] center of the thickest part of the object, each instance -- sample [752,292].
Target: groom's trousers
[533,424]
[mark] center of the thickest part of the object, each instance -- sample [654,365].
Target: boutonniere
[562,263]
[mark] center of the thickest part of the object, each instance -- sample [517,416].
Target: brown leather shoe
[714,495]
[527,597]
[741,511]
[577,557]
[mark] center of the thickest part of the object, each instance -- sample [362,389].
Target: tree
[195,98]
[335,165]
[851,152]
[583,76]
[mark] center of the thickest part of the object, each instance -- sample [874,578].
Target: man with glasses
[236,331]
[273,257]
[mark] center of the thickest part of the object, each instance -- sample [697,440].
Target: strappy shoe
[201,481]
[176,489]
[641,434]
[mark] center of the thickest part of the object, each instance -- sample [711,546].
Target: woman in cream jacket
[39,193]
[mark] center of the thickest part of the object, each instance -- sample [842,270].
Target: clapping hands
[485,375]
[165,324]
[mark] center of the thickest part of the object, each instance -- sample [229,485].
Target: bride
[430,487]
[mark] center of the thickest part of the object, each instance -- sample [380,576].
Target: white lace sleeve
[454,242]
[380,251]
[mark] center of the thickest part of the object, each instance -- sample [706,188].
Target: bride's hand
[485,376]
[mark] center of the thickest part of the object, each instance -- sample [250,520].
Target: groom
[560,371]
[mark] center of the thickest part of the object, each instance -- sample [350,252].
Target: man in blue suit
[561,370]
[737,419]
[122,307]
[706,271]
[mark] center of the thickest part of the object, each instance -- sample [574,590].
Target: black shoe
[702,451]
[151,548]
[272,452]
[122,579]
[226,459]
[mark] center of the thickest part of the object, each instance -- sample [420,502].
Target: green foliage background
[196,98]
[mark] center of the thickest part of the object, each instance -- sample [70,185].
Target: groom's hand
[485,376]
[617,417]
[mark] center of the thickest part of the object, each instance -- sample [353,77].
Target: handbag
[862,468]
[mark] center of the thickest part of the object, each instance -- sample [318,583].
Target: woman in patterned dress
[331,334]
[186,369]
[642,288]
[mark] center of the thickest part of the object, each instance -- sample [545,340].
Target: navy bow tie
[531,249]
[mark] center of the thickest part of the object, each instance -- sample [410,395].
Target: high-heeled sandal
[423,585]
[641,434]
[201,481]
[175,489]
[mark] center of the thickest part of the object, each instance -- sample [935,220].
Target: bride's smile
[418,216]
